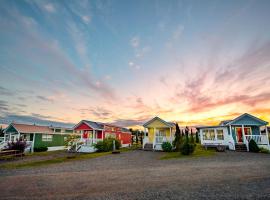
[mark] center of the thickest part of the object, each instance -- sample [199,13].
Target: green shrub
[107,145]
[253,147]
[40,149]
[166,146]
[264,150]
[187,148]
[177,142]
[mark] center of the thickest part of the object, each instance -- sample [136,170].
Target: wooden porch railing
[259,139]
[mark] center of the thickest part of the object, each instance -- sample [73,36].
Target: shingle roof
[25,128]
[225,122]
[94,125]
[125,130]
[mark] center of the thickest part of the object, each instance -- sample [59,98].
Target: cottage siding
[157,124]
[247,120]
[11,129]
[57,140]
[83,126]
[255,130]
[233,134]
[151,134]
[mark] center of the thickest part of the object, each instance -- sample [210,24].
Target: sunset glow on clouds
[125,62]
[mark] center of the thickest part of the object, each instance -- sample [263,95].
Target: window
[208,134]
[68,131]
[220,135]
[47,138]
[110,135]
[160,135]
[247,131]
[58,130]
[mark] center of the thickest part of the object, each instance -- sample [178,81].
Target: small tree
[1,132]
[183,133]
[71,142]
[197,137]
[188,147]
[186,134]
[137,139]
[142,135]
[191,137]
[177,138]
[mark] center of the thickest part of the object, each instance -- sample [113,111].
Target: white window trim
[215,133]
[219,129]
[45,138]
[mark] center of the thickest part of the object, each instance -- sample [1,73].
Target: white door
[159,136]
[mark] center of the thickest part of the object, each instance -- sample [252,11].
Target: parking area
[142,175]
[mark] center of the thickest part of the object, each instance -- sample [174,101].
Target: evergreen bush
[192,141]
[197,137]
[253,147]
[177,142]
[166,146]
[40,149]
[107,144]
[187,148]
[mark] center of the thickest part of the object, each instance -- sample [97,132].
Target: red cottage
[92,132]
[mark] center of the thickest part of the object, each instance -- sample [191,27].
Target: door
[159,136]
[239,135]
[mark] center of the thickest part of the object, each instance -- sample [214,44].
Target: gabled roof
[99,125]
[91,124]
[170,124]
[26,128]
[262,122]
[94,125]
[225,122]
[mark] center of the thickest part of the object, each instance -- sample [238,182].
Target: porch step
[241,147]
[148,147]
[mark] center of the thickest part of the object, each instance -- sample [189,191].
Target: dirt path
[141,175]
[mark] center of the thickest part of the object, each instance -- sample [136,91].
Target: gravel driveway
[141,175]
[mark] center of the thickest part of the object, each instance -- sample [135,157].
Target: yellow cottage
[157,131]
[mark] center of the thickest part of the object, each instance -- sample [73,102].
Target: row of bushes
[186,148]
[107,145]
[21,145]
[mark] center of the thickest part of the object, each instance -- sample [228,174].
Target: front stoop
[148,147]
[241,147]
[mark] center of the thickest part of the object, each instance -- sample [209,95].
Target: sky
[125,61]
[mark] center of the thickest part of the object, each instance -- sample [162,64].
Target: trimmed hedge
[107,145]
[40,149]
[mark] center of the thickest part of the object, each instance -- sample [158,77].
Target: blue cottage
[236,133]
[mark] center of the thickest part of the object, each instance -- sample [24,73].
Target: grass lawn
[68,157]
[198,152]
